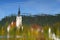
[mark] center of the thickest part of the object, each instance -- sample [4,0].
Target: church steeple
[19,11]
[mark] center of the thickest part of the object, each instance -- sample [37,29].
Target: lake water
[11,36]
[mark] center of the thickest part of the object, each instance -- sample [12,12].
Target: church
[19,20]
[17,23]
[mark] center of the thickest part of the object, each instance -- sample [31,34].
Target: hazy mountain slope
[42,20]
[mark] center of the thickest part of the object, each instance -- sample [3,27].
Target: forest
[44,21]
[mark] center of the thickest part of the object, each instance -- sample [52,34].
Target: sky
[8,7]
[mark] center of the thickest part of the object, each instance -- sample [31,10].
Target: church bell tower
[19,19]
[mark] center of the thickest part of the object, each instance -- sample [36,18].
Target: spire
[19,11]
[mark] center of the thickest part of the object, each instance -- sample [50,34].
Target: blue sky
[8,7]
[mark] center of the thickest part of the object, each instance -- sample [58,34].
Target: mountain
[37,19]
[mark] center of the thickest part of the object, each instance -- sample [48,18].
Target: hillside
[36,19]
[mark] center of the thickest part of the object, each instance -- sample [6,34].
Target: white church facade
[18,22]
